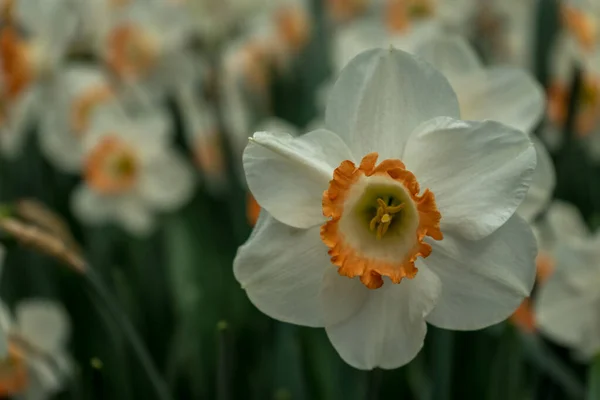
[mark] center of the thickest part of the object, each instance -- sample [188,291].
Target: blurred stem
[131,335]
[442,349]
[223,372]
[593,386]
[375,378]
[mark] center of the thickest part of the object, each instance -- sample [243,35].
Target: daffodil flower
[34,39]
[396,215]
[566,306]
[84,90]
[35,363]
[501,93]
[130,172]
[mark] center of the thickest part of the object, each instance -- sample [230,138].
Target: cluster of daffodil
[421,193]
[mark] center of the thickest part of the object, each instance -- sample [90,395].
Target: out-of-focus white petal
[288,175]
[505,94]
[378,328]
[135,216]
[479,172]
[281,268]
[542,184]
[166,181]
[44,324]
[566,222]
[566,313]
[451,55]
[382,96]
[91,207]
[483,281]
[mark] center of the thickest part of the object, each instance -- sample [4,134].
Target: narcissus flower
[130,172]
[566,307]
[35,363]
[501,93]
[404,215]
[84,90]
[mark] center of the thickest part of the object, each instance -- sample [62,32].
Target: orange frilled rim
[293,26]
[400,13]
[13,373]
[345,10]
[588,114]
[130,52]
[83,106]
[252,209]
[14,63]
[111,167]
[524,317]
[350,261]
[581,25]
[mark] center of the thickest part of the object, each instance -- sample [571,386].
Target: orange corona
[377,221]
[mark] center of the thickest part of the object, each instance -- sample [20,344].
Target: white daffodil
[581,35]
[36,364]
[64,123]
[34,36]
[404,215]
[130,172]
[567,304]
[204,139]
[506,94]
[145,47]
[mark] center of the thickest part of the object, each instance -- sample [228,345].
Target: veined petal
[44,324]
[479,172]
[483,281]
[288,175]
[281,268]
[378,328]
[450,54]
[542,184]
[567,314]
[505,94]
[382,96]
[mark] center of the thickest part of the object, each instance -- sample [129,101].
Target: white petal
[134,215]
[483,281]
[452,55]
[479,172]
[166,181]
[287,175]
[505,94]
[281,268]
[378,328]
[382,96]
[44,324]
[542,185]
[91,207]
[567,314]
[566,221]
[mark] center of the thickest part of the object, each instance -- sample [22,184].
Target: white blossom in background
[146,48]
[203,137]
[33,41]
[581,31]
[373,251]
[501,93]
[567,304]
[36,365]
[130,172]
[82,90]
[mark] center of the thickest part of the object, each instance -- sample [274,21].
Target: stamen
[383,218]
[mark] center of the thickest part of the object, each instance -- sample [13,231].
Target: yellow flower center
[377,221]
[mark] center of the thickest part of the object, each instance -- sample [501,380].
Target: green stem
[593,386]
[131,335]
